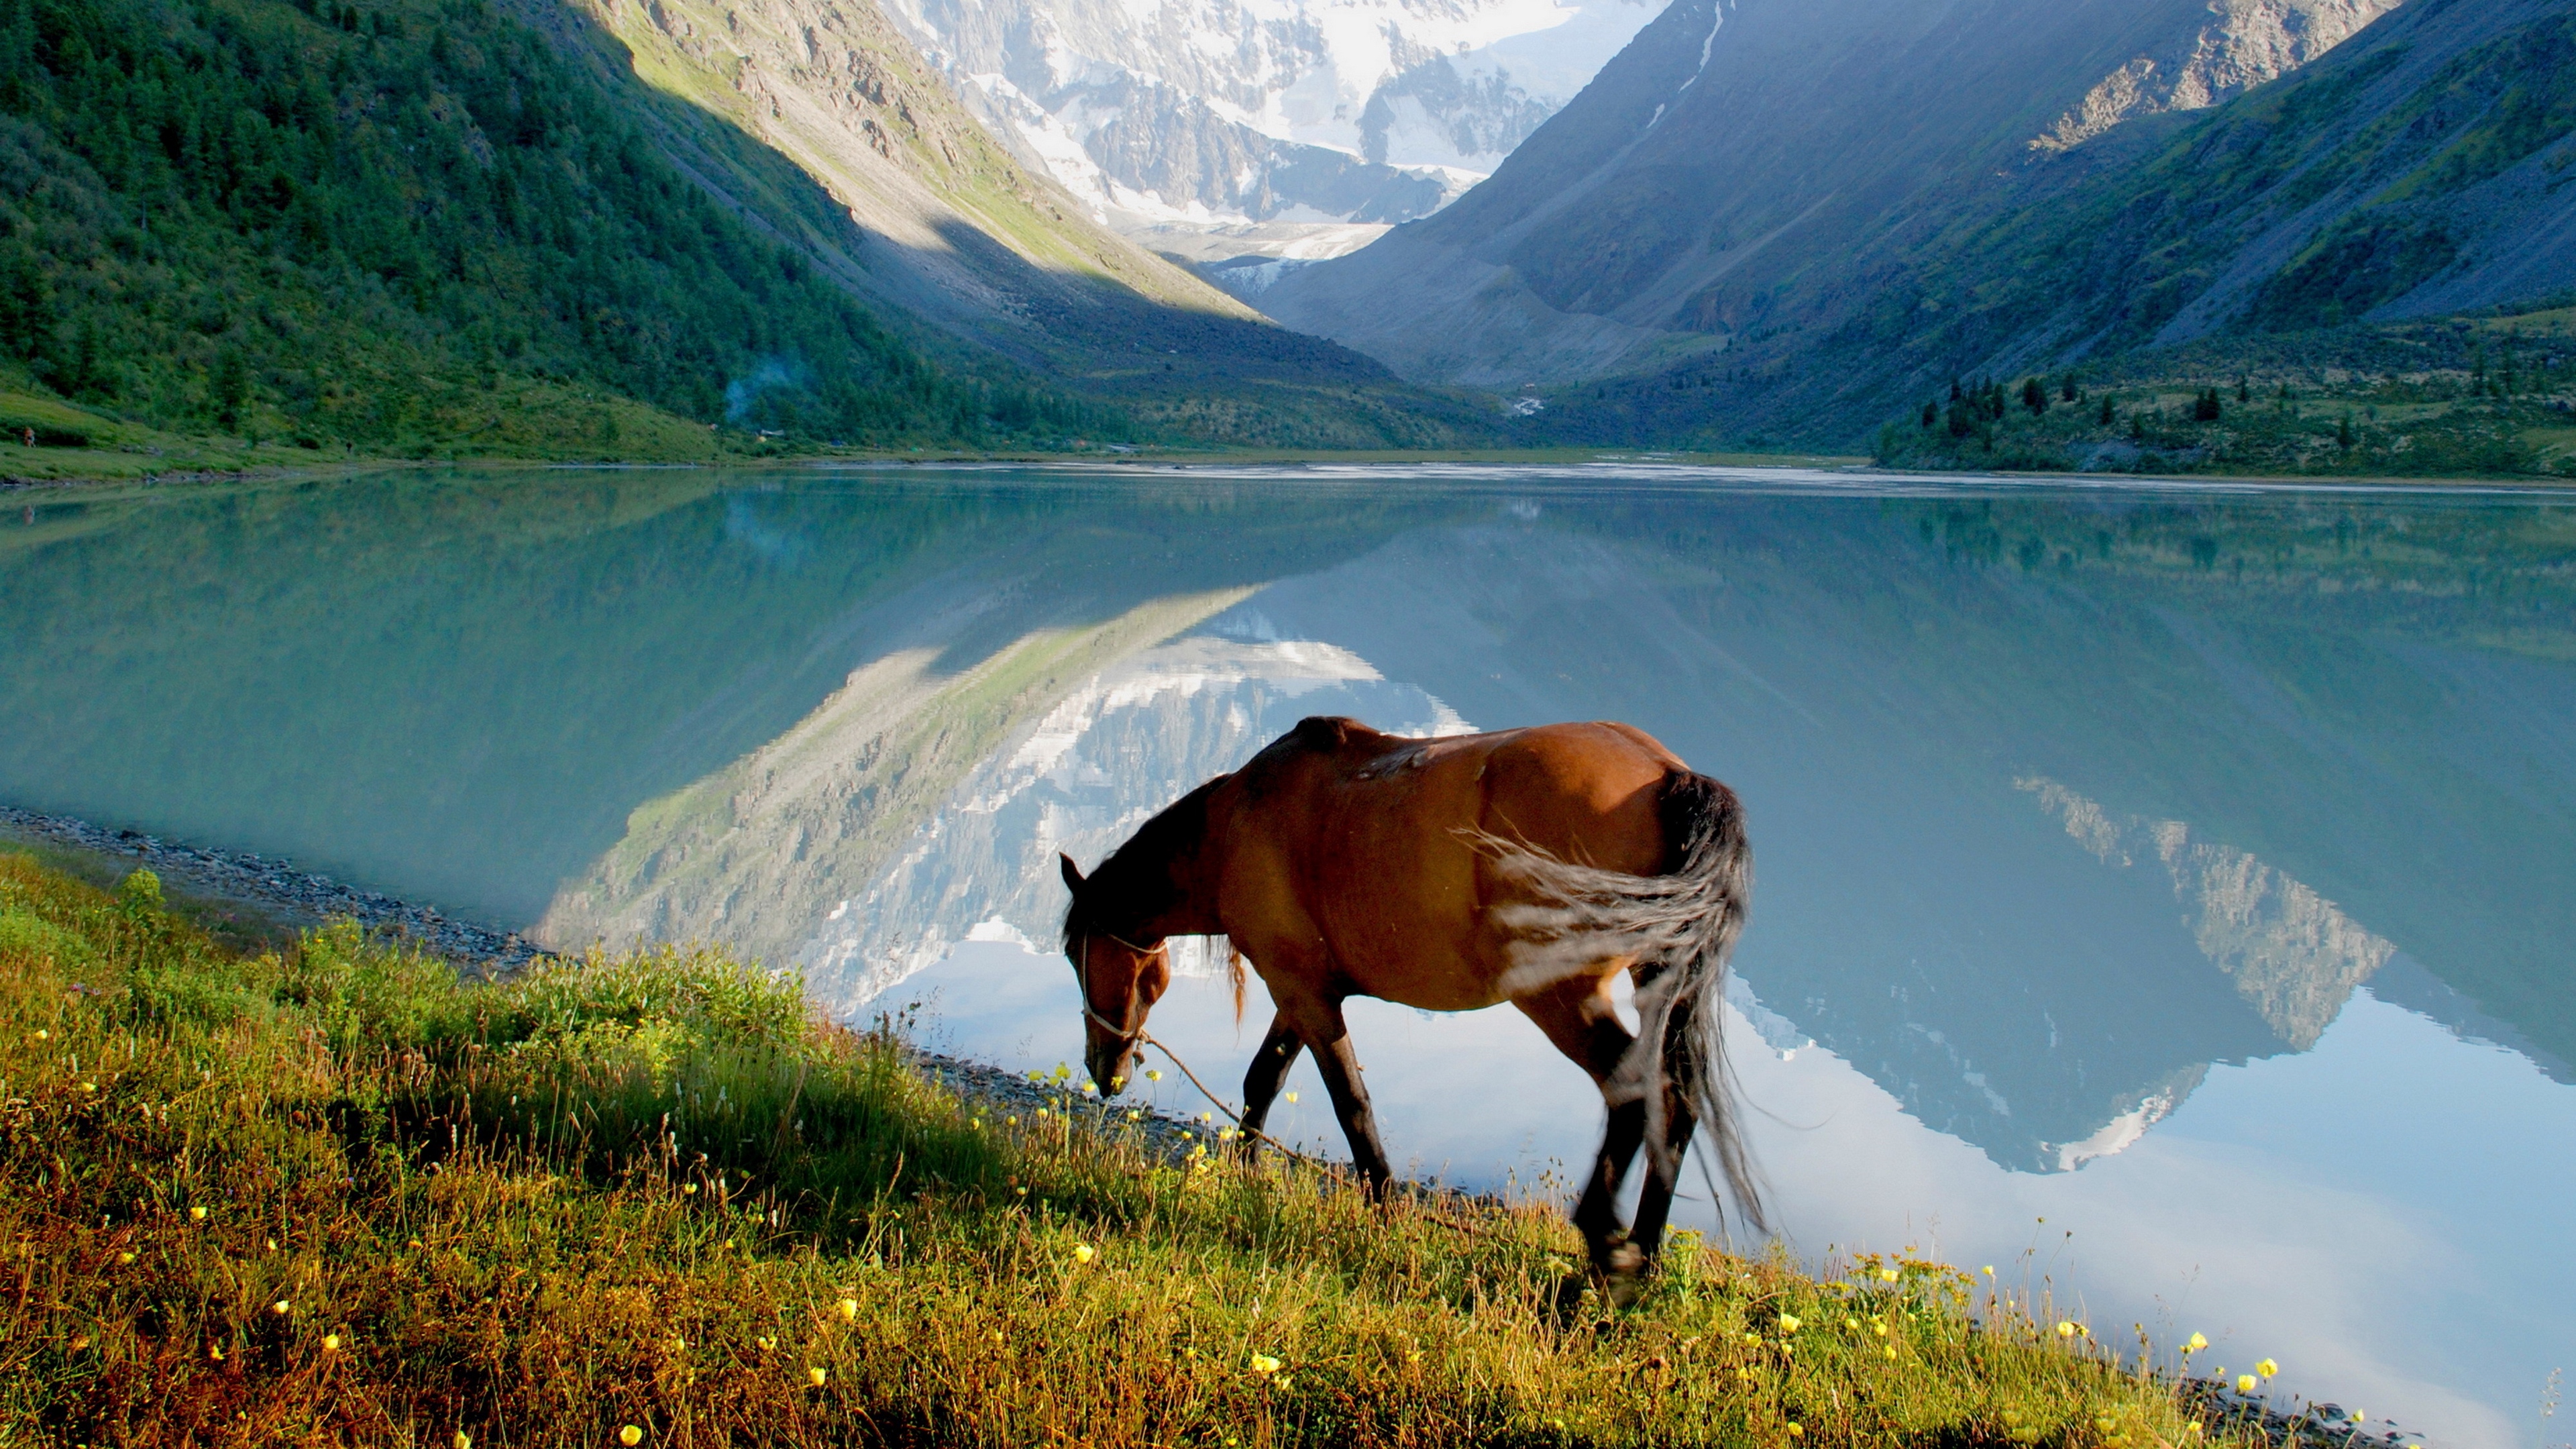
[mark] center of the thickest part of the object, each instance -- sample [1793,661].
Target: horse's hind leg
[1663,1168]
[1577,1016]
[1261,1081]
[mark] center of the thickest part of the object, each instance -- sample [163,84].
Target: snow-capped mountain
[1280,125]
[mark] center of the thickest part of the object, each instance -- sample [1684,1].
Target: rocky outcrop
[2246,43]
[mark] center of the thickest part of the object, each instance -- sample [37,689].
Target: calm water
[2168,897]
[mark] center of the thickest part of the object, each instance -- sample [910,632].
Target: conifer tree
[2034,396]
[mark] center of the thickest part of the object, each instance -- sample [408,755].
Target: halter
[1127,1038]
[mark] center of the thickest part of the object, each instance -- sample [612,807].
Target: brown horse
[1529,866]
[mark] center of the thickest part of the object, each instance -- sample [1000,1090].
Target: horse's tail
[1681,927]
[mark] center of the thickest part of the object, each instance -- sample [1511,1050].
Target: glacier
[1295,129]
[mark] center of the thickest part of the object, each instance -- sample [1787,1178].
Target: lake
[2165,895]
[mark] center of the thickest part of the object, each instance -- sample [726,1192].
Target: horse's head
[1120,980]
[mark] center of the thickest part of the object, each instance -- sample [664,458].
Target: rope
[1138,1036]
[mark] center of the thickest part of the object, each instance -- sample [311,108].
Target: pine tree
[2106,418]
[2034,396]
[1931,415]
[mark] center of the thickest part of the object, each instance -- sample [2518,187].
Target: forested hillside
[409,226]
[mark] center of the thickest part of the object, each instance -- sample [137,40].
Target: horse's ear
[1072,872]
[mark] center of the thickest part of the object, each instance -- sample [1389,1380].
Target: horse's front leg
[1261,1081]
[1340,1067]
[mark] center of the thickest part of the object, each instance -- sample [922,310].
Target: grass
[332,1194]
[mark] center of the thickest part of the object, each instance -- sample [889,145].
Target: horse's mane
[1137,882]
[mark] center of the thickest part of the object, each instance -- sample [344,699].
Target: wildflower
[1789,1322]
[2065,1329]
[1796,1429]
[2195,1343]
[2105,1423]
[330,1343]
[124,1259]
[464,1440]
[89,1086]
[630,1436]
[815,1376]
[1082,1252]
[1154,1075]
[1207,1116]
[2359,1417]
[688,1189]
[766,1343]
[1012,1120]
[2245,1383]
[1263,1363]
[1887,1275]
[1852,1323]
[43,1035]
[196,1214]
[1280,1382]
[2192,1429]
[1890,1351]
[1990,1270]
[1292,1097]
[849,1310]
[2267,1368]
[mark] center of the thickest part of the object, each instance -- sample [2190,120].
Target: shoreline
[287,896]
[1851,465]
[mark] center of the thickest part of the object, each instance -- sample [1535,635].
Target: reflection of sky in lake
[2192,871]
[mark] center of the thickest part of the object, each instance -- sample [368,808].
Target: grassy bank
[331,1195]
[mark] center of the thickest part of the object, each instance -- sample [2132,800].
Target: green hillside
[410,227]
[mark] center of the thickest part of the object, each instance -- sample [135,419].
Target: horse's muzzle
[1111,1067]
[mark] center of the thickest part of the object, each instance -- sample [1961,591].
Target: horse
[1528,865]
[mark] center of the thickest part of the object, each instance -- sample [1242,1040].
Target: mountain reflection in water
[2101,835]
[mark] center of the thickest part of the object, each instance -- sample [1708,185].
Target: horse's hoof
[1624,1261]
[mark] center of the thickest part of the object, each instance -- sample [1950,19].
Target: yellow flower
[1990,1270]
[2105,1423]
[123,1259]
[1154,1075]
[2359,1417]
[849,1310]
[464,1440]
[278,1307]
[1789,1322]
[2195,1343]
[630,1436]
[1887,1275]
[196,1214]
[89,1086]
[215,1351]
[2245,1383]
[2267,1368]
[815,1377]
[43,1035]
[688,1189]
[1292,1096]
[766,1343]
[1082,1252]
[1796,1429]
[1263,1363]
[2065,1329]
[330,1343]
[1852,1323]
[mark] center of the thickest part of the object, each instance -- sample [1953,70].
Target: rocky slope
[924,211]
[1781,220]
[1187,117]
